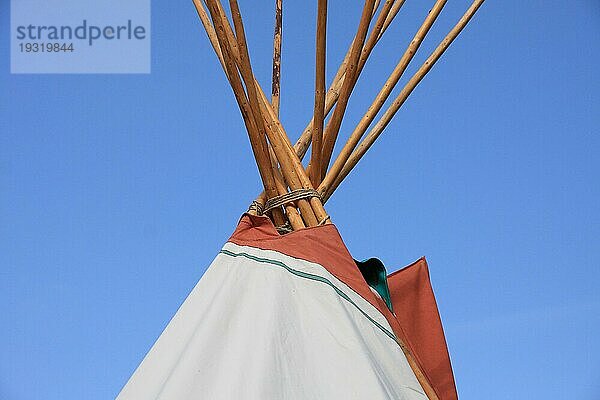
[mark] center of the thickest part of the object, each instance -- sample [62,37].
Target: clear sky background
[116,191]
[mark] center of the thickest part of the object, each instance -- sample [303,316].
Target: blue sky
[116,191]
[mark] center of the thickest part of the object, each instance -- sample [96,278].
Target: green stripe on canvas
[314,278]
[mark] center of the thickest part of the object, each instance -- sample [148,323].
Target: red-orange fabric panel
[416,311]
[320,244]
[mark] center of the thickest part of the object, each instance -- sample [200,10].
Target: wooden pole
[248,76]
[382,96]
[315,169]
[333,126]
[288,173]
[319,108]
[292,160]
[332,95]
[393,12]
[292,169]
[290,210]
[257,140]
[333,92]
[281,188]
[276,81]
[419,374]
[378,128]
[374,35]
[210,31]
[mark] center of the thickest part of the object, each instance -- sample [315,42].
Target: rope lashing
[285,228]
[290,197]
[282,200]
[257,207]
[324,220]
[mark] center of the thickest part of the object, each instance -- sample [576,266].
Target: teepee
[284,311]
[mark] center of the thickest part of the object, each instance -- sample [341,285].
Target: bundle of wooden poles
[293,195]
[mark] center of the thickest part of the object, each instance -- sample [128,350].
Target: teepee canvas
[293,317]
